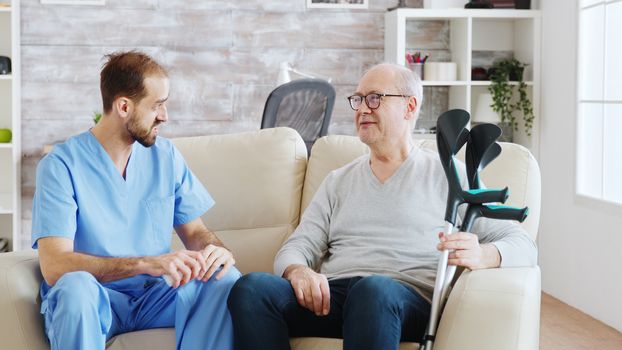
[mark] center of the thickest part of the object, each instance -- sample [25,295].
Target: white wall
[580,241]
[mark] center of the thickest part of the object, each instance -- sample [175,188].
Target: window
[599,122]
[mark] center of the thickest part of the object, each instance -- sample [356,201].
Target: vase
[507,132]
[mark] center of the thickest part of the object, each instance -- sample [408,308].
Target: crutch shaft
[438,291]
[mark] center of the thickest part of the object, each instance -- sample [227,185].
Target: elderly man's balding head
[387,103]
[406,82]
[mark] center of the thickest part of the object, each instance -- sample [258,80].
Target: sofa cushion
[164,338]
[21,324]
[332,344]
[329,153]
[152,339]
[256,180]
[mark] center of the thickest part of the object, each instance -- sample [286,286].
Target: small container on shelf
[440,71]
[416,62]
[479,73]
[5,65]
[417,68]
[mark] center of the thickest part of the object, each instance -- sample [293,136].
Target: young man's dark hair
[124,74]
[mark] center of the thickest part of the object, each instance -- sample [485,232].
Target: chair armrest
[21,324]
[492,309]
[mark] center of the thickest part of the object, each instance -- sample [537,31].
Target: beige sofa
[261,181]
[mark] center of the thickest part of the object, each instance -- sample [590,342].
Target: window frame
[596,202]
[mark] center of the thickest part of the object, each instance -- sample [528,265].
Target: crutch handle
[505,212]
[485,195]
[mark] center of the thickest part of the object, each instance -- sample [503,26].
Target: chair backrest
[304,105]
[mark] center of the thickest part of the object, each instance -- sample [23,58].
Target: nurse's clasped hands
[185,265]
[181,266]
[216,257]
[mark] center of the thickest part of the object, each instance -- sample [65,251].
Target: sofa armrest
[21,324]
[492,309]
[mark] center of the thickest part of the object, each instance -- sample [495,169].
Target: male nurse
[105,204]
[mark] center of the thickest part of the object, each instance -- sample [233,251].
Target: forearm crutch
[451,136]
[481,150]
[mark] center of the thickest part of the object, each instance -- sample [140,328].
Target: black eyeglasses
[371,100]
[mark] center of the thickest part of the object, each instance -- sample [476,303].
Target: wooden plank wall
[223,58]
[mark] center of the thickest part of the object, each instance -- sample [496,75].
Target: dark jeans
[374,312]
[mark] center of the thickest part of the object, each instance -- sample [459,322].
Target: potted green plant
[96,117]
[500,74]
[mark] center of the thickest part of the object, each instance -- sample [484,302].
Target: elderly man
[104,208]
[361,264]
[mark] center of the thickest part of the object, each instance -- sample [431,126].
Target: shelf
[466,83]
[10,110]
[6,207]
[488,82]
[426,136]
[469,38]
[444,83]
[466,13]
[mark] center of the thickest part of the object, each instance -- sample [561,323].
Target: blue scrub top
[81,195]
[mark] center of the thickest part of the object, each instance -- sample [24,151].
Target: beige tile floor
[564,327]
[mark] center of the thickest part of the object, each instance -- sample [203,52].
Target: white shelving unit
[10,153]
[470,31]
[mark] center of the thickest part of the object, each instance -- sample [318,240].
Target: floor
[564,327]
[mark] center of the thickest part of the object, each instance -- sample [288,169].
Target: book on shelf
[503,4]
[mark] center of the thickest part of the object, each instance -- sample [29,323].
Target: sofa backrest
[515,168]
[256,180]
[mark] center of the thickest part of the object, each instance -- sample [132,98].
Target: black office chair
[304,105]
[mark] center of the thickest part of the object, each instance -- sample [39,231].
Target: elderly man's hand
[466,251]
[311,288]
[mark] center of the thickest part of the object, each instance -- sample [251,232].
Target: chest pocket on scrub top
[161,212]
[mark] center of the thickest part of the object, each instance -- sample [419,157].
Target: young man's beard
[143,136]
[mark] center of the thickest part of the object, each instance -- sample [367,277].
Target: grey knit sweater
[357,226]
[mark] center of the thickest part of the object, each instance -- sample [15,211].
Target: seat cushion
[152,339]
[332,344]
[164,338]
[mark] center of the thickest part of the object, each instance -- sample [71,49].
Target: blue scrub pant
[373,312]
[81,313]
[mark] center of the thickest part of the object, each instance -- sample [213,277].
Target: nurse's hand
[181,266]
[215,257]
